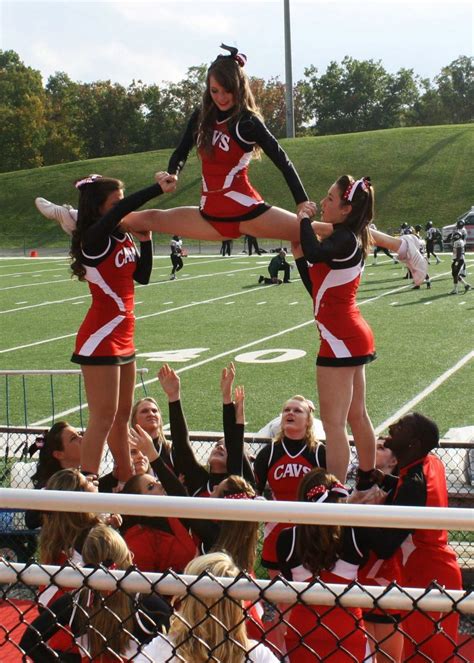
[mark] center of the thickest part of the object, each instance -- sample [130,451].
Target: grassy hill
[418,173]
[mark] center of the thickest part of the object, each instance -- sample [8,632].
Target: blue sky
[157,40]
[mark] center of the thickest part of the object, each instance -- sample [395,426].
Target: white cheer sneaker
[413,259]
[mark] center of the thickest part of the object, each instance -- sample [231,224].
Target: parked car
[447,231]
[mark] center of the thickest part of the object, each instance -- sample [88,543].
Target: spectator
[104,625]
[277,264]
[204,628]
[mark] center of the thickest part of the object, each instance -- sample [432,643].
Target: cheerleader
[283,464]
[107,259]
[103,626]
[332,554]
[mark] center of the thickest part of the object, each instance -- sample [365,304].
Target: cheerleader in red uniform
[228,132]
[107,259]
[331,270]
[283,464]
[102,625]
[425,554]
[332,554]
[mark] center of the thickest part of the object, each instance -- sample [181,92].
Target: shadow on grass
[421,161]
[423,300]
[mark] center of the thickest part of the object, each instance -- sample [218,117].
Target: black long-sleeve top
[151,612]
[246,130]
[96,238]
[196,475]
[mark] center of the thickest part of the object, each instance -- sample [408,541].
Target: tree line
[68,120]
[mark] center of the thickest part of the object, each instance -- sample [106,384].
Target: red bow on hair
[241,59]
[237,496]
[316,491]
[352,188]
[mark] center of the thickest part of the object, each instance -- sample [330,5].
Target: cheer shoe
[413,259]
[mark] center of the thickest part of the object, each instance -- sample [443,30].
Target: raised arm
[180,155]
[184,460]
[234,426]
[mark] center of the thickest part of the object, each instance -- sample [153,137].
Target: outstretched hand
[170,382]
[139,439]
[239,400]
[166,181]
[227,380]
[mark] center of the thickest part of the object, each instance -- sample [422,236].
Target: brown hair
[47,463]
[233,78]
[238,539]
[318,546]
[60,530]
[92,195]
[362,213]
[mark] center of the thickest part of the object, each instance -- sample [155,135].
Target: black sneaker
[261,279]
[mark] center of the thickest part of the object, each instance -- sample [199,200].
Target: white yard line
[59,415]
[425,392]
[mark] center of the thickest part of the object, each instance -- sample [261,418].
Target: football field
[214,313]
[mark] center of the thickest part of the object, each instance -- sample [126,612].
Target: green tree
[456,90]
[63,141]
[111,119]
[22,113]
[358,95]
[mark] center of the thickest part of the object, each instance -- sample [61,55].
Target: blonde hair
[105,617]
[238,539]
[309,438]
[205,627]
[133,417]
[60,530]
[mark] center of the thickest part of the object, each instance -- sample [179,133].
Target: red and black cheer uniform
[282,465]
[198,480]
[150,614]
[334,271]
[227,197]
[330,633]
[426,557]
[112,264]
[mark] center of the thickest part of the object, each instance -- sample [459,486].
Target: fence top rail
[363,515]
[243,588]
[213,436]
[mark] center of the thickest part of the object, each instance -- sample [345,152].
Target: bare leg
[389,641]
[117,438]
[185,221]
[386,241]
[276,629]
[361,426]
[102,391]
[275,223]
[335,390]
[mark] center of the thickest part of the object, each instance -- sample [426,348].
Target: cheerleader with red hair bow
[331,554]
